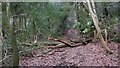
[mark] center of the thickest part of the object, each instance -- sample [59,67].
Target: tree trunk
[95,20]
[13,43]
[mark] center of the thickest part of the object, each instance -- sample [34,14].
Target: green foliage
[85,28]
[85,23]
[44,19]
[47,16]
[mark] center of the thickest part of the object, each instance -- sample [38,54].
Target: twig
[5,58]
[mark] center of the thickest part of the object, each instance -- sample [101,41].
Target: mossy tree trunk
[12,36]
[13,44]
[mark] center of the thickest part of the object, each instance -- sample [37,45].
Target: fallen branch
[63,45]
[49,43]
[67,44]
[28,44]
[57,46]
[71,44]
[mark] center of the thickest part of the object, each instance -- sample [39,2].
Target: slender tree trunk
[12,36]
[14,45]
[95,20]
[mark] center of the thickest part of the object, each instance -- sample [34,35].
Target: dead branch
[63,45]
[57,46]
[67,44]
[70,44]
[49,43]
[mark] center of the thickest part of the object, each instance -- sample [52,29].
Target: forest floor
[92,54]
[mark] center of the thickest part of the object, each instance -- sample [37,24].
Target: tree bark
[12,35]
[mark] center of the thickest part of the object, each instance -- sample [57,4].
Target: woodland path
[91,54]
